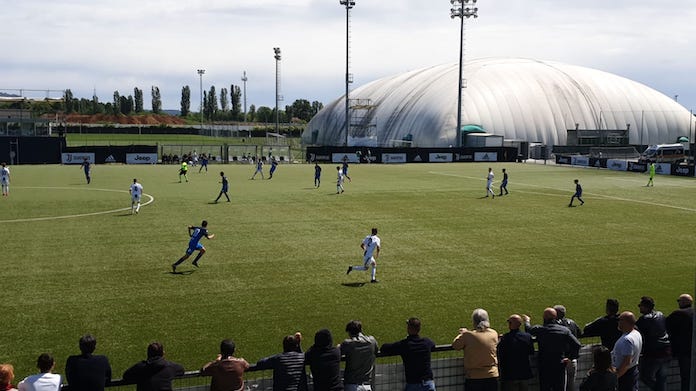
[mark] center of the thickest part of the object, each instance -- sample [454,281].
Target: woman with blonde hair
[6,377]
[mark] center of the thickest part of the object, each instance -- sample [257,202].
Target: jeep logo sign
[141,158]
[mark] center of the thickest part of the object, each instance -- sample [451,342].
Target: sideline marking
[568,191]
[152,199]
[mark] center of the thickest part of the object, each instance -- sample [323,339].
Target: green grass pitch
[278,261]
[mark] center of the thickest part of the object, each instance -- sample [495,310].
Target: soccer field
[75,260]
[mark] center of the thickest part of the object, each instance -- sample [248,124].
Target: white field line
[151,200]
[570,192]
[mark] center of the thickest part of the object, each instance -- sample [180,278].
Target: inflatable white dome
[520,99]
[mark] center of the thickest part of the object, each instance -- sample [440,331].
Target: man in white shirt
[371,246]
[489,183]
[5,179]
[339,180]
[44,381]
[627,352]
[136,191]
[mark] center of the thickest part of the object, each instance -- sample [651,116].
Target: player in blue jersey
[317,175]
[578,194]
[196,233]
[88,170]
[225,187]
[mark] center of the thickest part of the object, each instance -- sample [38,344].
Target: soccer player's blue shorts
[193,247]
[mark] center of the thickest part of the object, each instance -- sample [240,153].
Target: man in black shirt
[606,327]
[415,353]
[87,372]
[680,324]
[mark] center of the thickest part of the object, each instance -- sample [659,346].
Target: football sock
[374,271]
[359,268]
[198,257]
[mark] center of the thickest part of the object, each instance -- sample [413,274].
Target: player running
[339,180]
[578,194]
[183,171]
[5,179]
[489,183]
[136,191]
[371,247]
[225,187]
[196,233]
[259,169]
[88,170]
[317,175]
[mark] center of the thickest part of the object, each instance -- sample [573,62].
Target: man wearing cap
[654,364]
[680,324]
[415,353]
[626,353]
[514,350]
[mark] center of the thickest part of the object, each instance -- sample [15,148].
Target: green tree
[117,103]
[212,104]
[302,109]
[224,103]
[138,100]
[156,100]
[236,95]
[251,115]
[68,99]
[185,101]
[289,114]
[265,114]
[96,106]
[316,106]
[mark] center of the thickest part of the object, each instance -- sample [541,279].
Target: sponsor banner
[562,159]
[680,170]
[637,167]
[663,168]
[141,158]
[598,162]
[318,157]
[463,157]
[617,165]
[580,161]
[393,158]
[77,158]
[485,156]
[440,157]
[341,157]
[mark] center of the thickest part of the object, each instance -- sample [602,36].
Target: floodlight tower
[244,80]
[349,77]
[278,97]
[462,9]
[200,74]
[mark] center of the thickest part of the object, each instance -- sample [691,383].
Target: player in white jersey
[136,191]
[371,246]
[5,179]
[489,183]
[339,180]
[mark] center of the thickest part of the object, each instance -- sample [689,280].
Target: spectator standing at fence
[360,351]
[556,345]
[288,367]
[626,353]
[656,354]
[578,193]
[371,247]
[225,187]
[606,327]
[415,352]
[317,175]
[87,371]
[6,377]
[651,172]
[601,376]
[480,356]
[324,360]
[227,371]
[274,166]
[259,169]
[5,179]
[680,324]
[514,350]
[489,183]
[204,163]
[44,381]
[87,167]
[572,365]
[504,183]
[154,374]
[183,170]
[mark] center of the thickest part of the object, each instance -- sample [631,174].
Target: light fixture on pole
[200,74]
[349,77]
[462,9]
[244,79]
[278,97]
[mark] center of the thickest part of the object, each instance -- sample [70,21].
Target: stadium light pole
[349,78]
[200,75]
[277,58]
[462,9]
[244,80]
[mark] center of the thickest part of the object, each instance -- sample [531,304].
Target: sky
[105,46]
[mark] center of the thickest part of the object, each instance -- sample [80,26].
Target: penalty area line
[151,200]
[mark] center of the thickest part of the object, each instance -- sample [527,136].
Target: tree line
[222,106]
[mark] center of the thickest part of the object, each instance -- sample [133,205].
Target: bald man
[680,324]
[514,350]
[556,345]
[626,352]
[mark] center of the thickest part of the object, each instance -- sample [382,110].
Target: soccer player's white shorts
[135,197]
[4,181]
[367,261]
